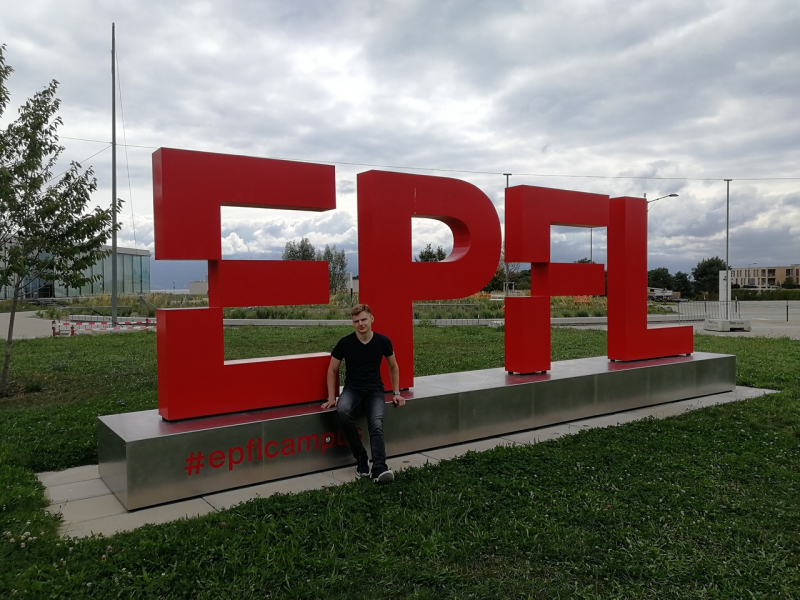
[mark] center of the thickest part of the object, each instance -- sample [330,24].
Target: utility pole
[113,177]
[505,262]
[727,247]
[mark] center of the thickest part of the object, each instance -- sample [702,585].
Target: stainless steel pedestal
[146,460]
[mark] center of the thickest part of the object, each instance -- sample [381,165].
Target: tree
[510,269]
[302,250]
[337,268]
[706,275]
[788,283]
[336,259]
[660,278]
[523,280]
[428,254]
[681,283]
[45,232]
[496,282]
[585,261]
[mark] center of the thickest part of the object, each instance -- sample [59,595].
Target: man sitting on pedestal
[362,352]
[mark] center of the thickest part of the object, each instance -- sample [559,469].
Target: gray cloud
[642,89]
[345,186]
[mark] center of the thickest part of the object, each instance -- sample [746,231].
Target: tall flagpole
[113,178]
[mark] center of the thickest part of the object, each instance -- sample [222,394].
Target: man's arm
[333,368]
[394,375]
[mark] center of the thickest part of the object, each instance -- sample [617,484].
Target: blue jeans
[351,402]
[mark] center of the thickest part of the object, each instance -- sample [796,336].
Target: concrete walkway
[88,507]
[768,328]
[26,326]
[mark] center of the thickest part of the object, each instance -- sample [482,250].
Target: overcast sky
[611,97]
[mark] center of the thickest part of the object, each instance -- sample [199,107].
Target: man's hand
[399,400]
[330,404]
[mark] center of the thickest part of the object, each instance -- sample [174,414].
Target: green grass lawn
[5,306]
[705,505]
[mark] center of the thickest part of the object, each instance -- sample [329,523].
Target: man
[362,352]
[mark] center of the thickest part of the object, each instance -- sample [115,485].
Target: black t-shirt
[363,361]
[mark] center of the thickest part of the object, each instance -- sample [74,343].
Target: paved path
[26,326]
[88,507]
[760,328]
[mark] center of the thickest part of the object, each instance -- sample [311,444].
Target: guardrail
[71,328]
[700,311]
[767,310]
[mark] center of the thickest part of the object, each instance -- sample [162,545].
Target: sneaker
[362,466]
[382,474]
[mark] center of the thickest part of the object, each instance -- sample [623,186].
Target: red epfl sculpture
[194,380]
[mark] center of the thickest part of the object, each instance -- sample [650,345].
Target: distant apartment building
[133,277]
[765,277]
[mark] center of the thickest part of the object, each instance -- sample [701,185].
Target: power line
[64,137]
[80,162]
[127,162]
[441,170]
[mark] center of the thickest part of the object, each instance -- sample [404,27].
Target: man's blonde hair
[359,308]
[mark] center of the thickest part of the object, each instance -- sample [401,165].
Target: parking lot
[768,318]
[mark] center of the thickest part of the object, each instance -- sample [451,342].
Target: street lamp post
[649,202]
[505,263]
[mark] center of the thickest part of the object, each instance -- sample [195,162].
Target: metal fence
[700,311]
[766,310]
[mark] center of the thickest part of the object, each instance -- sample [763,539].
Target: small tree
[428,254]
[510,269]
[302,250]
[706,274]
[337,261]
[44,233]
[337,268]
